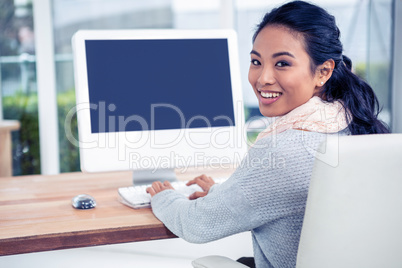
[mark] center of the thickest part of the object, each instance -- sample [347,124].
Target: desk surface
[36,212]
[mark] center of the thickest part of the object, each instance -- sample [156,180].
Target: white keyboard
[137,197]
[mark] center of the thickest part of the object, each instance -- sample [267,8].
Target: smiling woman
[299,76]
[305,59]
[280,71]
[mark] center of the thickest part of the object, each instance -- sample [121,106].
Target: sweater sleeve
[272,182]
[201,220]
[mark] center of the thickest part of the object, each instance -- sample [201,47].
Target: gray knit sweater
[266,194]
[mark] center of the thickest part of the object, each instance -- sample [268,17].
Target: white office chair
[354,207]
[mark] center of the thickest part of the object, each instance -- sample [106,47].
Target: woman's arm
[204,219]
[272,182]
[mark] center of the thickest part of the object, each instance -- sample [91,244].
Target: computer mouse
[83,201]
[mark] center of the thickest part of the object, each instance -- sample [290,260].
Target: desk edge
[12,246]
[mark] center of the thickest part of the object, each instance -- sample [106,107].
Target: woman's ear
[324,72]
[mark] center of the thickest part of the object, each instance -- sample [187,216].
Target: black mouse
[83,201]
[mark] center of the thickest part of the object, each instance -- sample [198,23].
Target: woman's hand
[204,182]
[158,186]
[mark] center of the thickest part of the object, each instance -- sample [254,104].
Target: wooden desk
[36,212]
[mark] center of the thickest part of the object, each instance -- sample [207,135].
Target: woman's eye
[255,62]
[282,64]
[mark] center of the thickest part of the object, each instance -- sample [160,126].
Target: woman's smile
[268,97]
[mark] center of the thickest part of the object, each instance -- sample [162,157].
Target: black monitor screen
[139,85]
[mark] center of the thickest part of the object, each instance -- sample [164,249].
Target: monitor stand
[147,176]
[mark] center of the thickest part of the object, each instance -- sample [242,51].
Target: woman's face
[280,72]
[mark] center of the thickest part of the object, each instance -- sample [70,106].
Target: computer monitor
[153,101]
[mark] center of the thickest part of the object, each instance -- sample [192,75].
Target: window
[18,90]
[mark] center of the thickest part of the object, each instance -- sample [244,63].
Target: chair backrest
[354,208]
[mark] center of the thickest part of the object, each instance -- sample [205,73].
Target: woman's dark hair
[321,39]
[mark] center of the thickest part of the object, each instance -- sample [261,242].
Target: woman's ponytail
[357,97]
